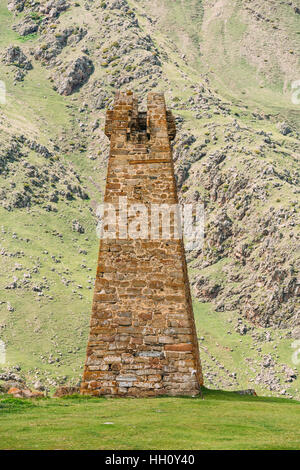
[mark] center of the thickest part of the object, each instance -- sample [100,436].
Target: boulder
[249,391]
[24,393]
[28,26]
[284,128]
[296,332]
[76,74]
[65,391]
[17,5]
[77,227]
[16,392]
[53,8]
[15,56]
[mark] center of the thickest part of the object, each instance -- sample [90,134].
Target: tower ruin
[142,333]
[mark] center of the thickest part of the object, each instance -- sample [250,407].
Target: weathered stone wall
[142,334]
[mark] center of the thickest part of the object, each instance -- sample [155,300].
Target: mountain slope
[236,151]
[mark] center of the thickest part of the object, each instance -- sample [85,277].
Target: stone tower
[142,334]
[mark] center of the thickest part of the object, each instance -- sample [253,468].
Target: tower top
[125,118]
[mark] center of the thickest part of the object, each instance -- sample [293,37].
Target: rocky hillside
[236,151]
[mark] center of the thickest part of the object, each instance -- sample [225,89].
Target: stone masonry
[142,334]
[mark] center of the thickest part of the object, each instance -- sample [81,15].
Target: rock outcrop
[76,74]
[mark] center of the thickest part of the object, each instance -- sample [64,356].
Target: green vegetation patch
[13,405]
[222,420]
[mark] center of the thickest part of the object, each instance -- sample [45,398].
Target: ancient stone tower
[142,334]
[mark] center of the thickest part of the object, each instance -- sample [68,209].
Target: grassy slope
[261,72]
[40,326]
[51,326]
[220,421]
[238,353]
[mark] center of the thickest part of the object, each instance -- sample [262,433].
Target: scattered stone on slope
[206,289]
[290,374]
[53,8]
[296,9]
[77,227]
[16,5]
[284,128]
[296,332]
[53,44]
[241,328]
[249,391]
[37,183]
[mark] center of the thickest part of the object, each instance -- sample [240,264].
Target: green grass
[6,34]
[48,326]
[29,37]
[220,421]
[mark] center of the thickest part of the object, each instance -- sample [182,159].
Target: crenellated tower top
[126,119]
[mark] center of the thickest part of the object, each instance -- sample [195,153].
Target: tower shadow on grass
[235,396]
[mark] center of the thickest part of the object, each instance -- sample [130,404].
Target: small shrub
[14,404]
[29,37]
[35,16]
